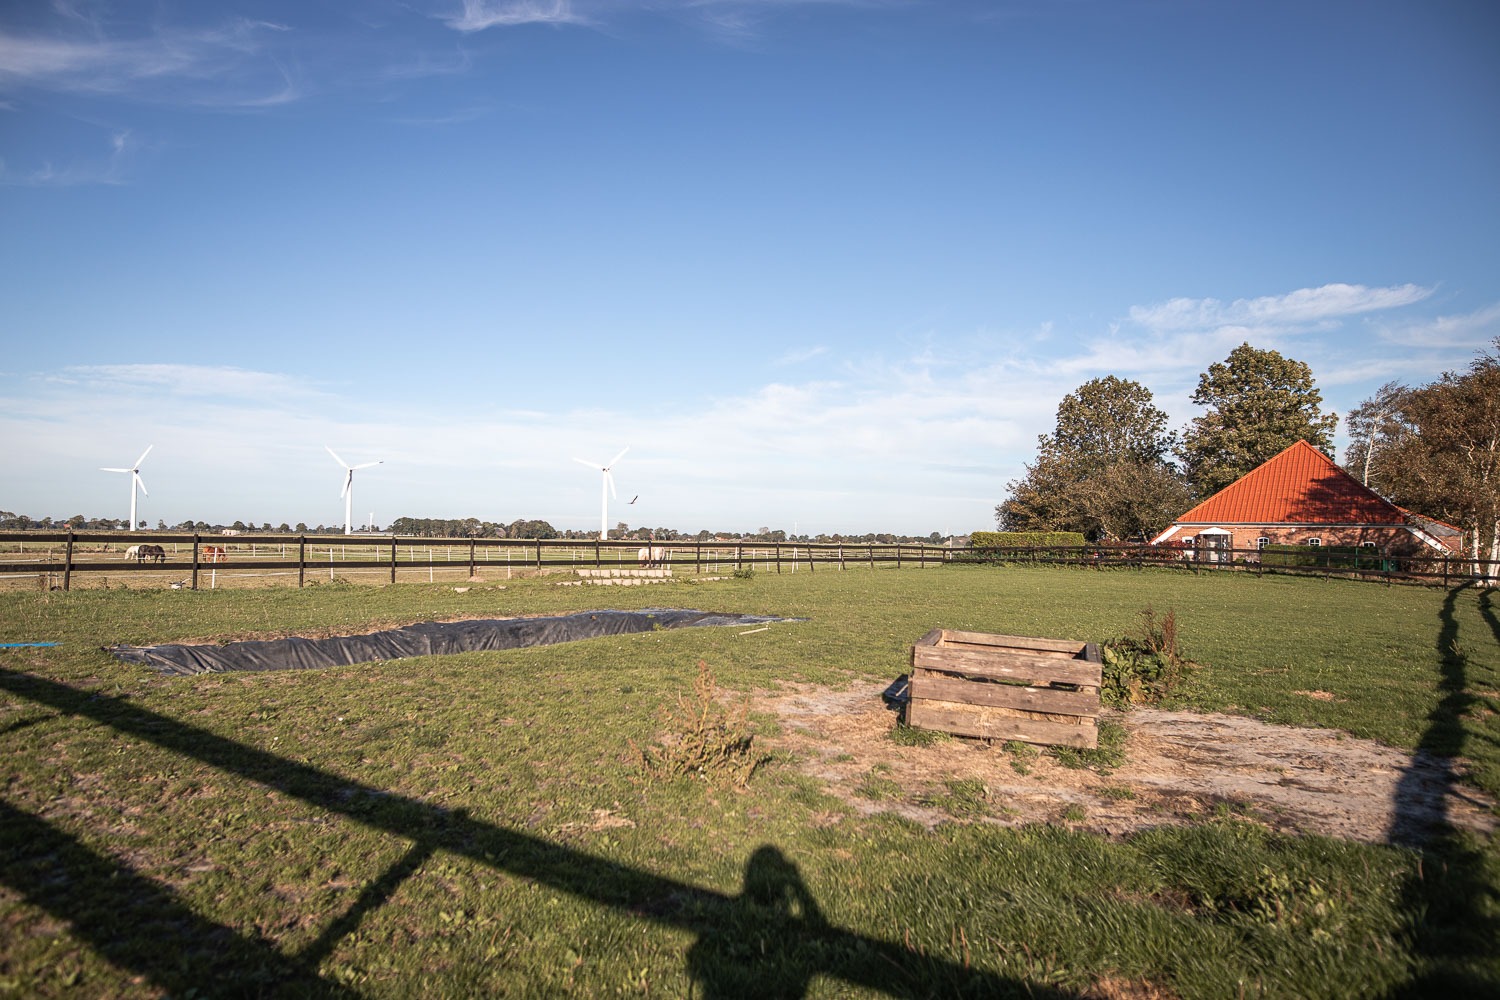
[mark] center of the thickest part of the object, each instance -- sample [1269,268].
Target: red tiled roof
[1301,485]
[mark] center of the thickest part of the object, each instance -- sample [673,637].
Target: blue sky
[824,266]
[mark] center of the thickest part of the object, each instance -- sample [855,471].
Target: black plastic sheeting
[425,639]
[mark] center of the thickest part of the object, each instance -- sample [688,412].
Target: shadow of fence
[110,906]
[1449,903]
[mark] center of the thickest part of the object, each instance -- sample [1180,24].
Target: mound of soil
[1178,768]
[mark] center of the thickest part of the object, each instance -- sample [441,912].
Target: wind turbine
[348,491]
[606,489]
[135,480]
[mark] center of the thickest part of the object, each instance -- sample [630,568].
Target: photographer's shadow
[771,940]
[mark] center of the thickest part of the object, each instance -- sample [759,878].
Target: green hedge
[1025,539]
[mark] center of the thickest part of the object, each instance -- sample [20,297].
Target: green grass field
[480,825]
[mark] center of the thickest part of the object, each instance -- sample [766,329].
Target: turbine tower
[606,489]
[135,480]
[348,491]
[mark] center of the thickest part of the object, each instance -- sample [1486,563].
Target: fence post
[811,566]
[778,557]
[301,559]
[538,555]
[471,558]
[68,562]
[739,551]
[698,558]
[195,561]
[393,558]
[872,556]
[1445,573]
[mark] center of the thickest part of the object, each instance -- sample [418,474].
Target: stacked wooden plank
[1006,687]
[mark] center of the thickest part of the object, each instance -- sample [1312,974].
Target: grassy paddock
[475,825]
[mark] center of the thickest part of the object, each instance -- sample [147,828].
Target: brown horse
[155,553]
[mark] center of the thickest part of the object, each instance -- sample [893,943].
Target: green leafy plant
[1143,668]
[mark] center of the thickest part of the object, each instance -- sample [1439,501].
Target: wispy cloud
[1304,307]
[1474,329]
[801,355]
[478,15]
[189,381]
[113,167]
[149,64]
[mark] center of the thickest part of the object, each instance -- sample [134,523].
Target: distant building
[1301,497]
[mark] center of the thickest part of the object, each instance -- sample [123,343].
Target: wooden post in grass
[301,559]
[778,557]
[598,558]
[195,562]
[67,562]
[471,557]
[872,556]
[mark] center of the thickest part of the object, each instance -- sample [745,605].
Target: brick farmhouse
[1301,497]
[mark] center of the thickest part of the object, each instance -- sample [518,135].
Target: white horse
[134,552]
[651,555]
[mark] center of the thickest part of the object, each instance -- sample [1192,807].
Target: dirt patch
[1179,768]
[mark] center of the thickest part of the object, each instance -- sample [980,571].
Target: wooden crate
[1006,687]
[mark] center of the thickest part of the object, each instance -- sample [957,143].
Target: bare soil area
[1178,768]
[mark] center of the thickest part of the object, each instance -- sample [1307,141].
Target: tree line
[1113,470]
[463,527]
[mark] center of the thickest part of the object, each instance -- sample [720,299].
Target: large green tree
[1440,452]
[1259,404]
[1103,471]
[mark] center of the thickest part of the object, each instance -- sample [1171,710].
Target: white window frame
[1315,541]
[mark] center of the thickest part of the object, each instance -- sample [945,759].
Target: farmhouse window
[1314,541]
[1262,542]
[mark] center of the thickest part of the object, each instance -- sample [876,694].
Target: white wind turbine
[606,489]
[348,491]
[135,480]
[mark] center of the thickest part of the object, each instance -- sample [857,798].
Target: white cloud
[1469,330]
[231,57]
[1299,309]
[479,15]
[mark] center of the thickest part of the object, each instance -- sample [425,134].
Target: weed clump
[703,739]
[1144,668]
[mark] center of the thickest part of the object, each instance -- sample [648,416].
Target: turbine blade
[336,457]
[348,482]
[608,478]
[116,470]
[366,465]
[143,456]
[141,483]
[621,455]
[584,461]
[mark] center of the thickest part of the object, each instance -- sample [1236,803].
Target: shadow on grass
[1449,901]
[770,941]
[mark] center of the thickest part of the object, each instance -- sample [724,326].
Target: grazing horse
[155,553]
[213,554]
[651,555]
[134,552]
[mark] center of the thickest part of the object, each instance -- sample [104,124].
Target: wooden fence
[55,558]
[1434,570]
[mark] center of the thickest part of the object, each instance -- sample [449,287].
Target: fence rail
[59,556]
[1309,560]
[55,558]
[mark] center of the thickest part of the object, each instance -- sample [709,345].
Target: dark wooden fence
[54,558]
[1437,570]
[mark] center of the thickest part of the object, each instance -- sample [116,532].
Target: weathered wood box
[1006,687]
